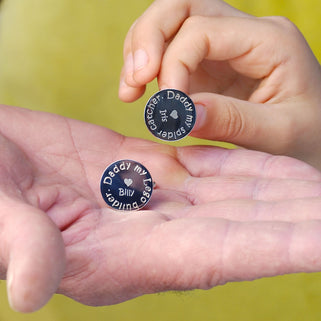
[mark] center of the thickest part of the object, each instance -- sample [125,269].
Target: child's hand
[256,78]
[149,36]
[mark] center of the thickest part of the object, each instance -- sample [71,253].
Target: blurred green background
[64,56]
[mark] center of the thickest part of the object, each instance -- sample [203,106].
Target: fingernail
[129,64]
[9,290]
[122,83]
[140,59]
[201,114]
[163,86]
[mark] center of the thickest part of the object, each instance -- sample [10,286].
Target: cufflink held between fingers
[170,115]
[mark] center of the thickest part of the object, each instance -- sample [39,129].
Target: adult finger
[208,252]
[217,161]
[248,210]
[33,251]
[212,189]
[146,40]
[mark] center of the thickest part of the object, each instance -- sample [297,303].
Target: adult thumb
[251,125]
[32,252]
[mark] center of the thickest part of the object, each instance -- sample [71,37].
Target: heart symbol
[174,114]
[128,181]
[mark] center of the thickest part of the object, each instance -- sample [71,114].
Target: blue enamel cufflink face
[170,115]
[126,185]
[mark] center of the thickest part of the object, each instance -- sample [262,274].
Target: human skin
[215,216]
[255,81]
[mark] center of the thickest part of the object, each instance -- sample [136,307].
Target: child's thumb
[240,122]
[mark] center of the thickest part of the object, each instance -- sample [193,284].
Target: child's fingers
[146,41]
[126,92]
[237,40]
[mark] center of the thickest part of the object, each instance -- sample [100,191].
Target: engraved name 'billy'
[170,95]
[108,180]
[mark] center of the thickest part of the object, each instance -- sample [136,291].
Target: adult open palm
[215,216]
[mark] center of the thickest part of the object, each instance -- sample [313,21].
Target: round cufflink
[170,115]
[126,185]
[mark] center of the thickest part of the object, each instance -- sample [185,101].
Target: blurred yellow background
[64,56]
